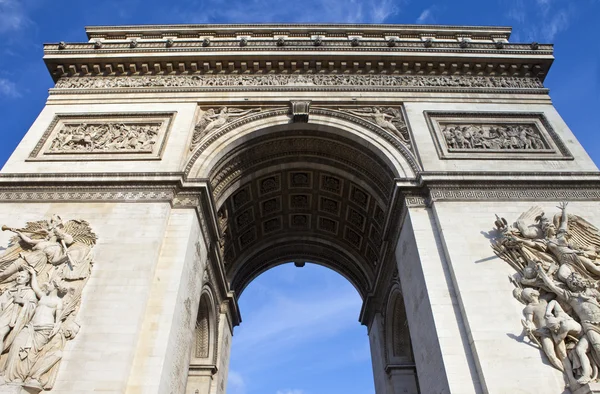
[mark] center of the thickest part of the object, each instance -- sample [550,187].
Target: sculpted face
[22,278]
[576,283]
[531,295]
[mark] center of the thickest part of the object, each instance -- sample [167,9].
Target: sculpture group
[213,119]
[42,274]
[558,276]
[105,137]
[493,137]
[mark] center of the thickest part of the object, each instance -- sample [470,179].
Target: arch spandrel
[219,143]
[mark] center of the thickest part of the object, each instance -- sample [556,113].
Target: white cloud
[539,20]
[235,383]
[308,11]
[8,88]
[559,22]
[12,15]
[425,17]
[288,391]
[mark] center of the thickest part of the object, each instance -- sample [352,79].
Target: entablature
[313,49]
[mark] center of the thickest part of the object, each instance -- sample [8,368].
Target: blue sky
[300,333]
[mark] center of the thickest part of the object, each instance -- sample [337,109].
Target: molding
[555,149]
[515,193]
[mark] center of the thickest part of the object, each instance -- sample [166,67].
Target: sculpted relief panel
[495,136]
[210,119]
[558,276]
[104,136]
[42,274]
[290,81]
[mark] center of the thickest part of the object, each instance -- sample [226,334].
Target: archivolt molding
[402,147]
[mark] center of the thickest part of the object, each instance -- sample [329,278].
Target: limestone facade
[203,155]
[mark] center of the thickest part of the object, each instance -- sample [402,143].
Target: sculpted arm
[28,240]
[64,236]
[564,219]
[34,282]
[551,284]
[552,305]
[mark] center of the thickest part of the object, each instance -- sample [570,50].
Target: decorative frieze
[495,136]
[104,137]
[290,81]
[514,193]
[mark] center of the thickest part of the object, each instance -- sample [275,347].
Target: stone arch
[398,343]
[286,191]
[204,350]
[219,143]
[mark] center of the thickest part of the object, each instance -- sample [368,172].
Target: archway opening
[300,334]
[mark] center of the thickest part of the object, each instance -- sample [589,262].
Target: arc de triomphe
[173,164]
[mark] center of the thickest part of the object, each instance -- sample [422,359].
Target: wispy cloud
[8,88]
[12,15]
[235,383]
[309,11]
[288,391]
[425,17]
[540,20]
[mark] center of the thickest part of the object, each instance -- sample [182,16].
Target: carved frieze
[104,137]
[43,272]
[212,119]
[495,136]
[557,278]
[212,81]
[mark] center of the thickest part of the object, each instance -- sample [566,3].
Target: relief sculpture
[42,274]
[492,137]
[390,119]
[105,137]
[558,275]
[334,80]
[213,119]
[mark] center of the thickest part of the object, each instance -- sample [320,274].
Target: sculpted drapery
[558,276]
[42,274]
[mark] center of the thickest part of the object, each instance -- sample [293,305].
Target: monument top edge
[298,27]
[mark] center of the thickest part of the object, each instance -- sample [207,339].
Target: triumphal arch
[173,164]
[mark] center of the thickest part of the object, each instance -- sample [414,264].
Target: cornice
[262,28]
[176,48]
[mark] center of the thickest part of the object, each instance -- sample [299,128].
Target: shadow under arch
[288,191]
[301,250]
